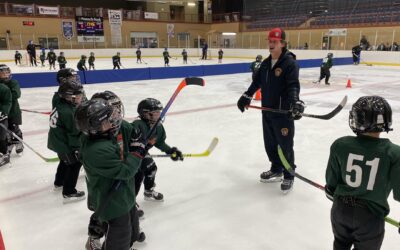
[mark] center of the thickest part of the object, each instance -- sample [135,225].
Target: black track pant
[355,225]
[278,130]
[147,171]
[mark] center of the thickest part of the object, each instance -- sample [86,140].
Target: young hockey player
[278,79]
[184,56]
[138,55]
[61,60]
[5,106]
[17,58]
[64,137]
[97,229]
[166,57]
[63,75]
[220,55]
[325,69]
[362,171]
[82,64]
[14,116]
[149,111]
[356,52]
[107,160]
[255,66]
[91,61]
[42,56]
[116,60]
[51,57]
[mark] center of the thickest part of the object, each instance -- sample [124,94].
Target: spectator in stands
[305,46]
[381,47]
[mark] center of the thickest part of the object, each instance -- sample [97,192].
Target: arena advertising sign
[337,32]
[151,15]
[67,29]
[46,10]
[89,29]
[115,16]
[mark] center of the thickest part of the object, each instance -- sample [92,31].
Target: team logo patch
[285,131]
[278,72]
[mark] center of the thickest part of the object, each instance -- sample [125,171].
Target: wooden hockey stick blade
[27,145]
[207,152]
[287,166]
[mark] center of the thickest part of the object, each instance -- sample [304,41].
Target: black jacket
[280,85]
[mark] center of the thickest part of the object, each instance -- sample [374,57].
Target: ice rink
[211,203]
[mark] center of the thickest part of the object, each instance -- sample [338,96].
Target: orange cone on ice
[258,95]
[348,83]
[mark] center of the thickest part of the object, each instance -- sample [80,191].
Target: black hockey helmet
[64,74]
[71,91]
[370,114]
[96,117]
[112,98]
[259,58]
[91,53]
[149,109]
[83,57]
[5,72]
[330,55]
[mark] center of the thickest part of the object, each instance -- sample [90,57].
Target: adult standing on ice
[278,79]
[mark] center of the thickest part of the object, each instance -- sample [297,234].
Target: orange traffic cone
[348,83]
[258,95]
[2,247]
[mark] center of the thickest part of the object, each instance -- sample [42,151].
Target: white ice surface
[215,202]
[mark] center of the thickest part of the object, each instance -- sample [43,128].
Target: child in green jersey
[362,171]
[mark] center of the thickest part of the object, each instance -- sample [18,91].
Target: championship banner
[46,10]
[67,29]
[115,19]
[170,29]
[89,29]
[337,32]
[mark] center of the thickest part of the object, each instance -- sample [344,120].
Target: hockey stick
[37,112]
[323,117]
[289,168]
[207,152]
[191,61]
[34,151]
[143,61]
[185,82]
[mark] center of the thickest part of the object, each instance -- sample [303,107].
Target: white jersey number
[53,118]
[356,181]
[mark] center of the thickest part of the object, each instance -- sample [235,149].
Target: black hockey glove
[137,145]
[297,110]
[175,154]
[69,158]
[243,102]
[329,192]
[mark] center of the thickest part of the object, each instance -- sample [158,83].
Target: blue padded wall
[46,79]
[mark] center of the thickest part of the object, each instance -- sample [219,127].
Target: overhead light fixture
[191,4]
[228,33]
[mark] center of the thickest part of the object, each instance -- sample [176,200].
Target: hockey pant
[116,65]
[354,224]
[122,231]
[325,73]
[146,174]
[4,137]
[68,172]
[278,130]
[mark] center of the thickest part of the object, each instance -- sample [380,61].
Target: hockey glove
[137,145]
[329,192]
[175,154]
[243,102]
[297,110]
[69,158]
[3,117]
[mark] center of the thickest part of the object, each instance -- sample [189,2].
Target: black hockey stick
[185,82]
[323,117]
[27,145]
[289,168]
